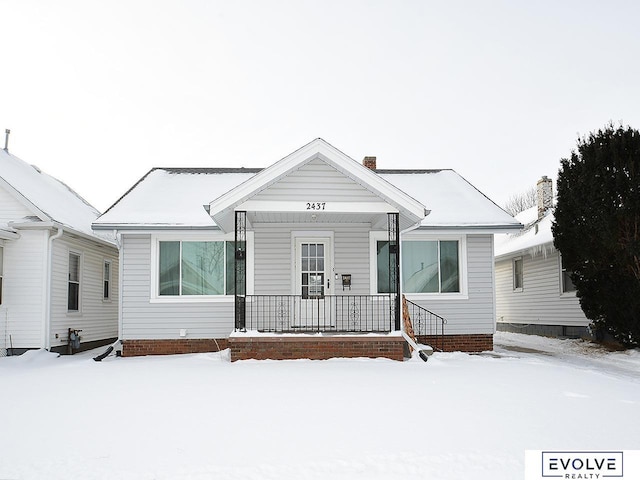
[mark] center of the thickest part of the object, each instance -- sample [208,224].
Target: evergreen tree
[597,228]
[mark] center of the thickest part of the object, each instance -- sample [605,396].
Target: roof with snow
[175,197]
[49,199]
[536,237]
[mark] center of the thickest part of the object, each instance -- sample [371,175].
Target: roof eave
[146,226]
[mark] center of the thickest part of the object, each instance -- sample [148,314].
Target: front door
[313,283]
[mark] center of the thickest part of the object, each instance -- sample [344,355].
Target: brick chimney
[544,190]
[369,162]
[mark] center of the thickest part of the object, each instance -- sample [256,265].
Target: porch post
[394,267]
[240,270]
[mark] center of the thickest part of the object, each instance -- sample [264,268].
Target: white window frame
[155,297]
[562,270]
[377,236]
[80,282]
[108,280]
[513,274]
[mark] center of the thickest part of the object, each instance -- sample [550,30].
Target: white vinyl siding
[97,319]
[541,301]
[23,295]
[10,208]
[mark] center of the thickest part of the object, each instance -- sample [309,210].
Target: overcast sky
[97,93]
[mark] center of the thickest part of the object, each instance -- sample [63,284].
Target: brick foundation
[315,348]
[459,343]
[134,348]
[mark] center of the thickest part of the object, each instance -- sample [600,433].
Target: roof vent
[6,140]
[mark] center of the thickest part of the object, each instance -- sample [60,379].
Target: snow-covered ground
[202,417]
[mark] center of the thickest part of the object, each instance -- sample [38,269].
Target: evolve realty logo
[582,465]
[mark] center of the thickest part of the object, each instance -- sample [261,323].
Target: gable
[45,196]
[316,179]
[10,208]
[385,197]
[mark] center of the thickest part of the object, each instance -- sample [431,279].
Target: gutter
[53,224]
[48,300]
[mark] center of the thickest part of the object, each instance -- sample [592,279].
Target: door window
[312,262]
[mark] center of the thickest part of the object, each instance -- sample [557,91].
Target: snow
[176,199]
[536,237]
[451,199]
[201,416]
[52,197]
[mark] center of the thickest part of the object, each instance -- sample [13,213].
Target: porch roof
[386,196]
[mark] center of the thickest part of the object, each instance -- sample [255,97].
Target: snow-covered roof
[452,200]
[47,197]
[535,238]
[175,198]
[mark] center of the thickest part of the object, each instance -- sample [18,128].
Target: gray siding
[317,181]
[22,310]
[540,301]
[273,262]
[474,314]
[143,319]
[97,318]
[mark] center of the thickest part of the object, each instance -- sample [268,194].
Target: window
[427,266]
[73,295]
[566,283]
[1,271]
[106,281]
[517,274]
[195,268]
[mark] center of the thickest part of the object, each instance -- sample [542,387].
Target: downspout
[48,299]
[118,237]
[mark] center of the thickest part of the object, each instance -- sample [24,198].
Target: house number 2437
[315,205]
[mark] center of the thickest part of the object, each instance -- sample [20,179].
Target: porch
[283,327]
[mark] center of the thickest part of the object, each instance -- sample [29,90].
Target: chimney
[6,139]
[544,190]
[369,162]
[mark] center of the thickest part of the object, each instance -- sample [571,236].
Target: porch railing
[427,324]
[331,313]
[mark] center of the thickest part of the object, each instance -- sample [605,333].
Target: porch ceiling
[377,220]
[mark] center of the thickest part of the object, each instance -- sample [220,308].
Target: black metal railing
[331,313]
[427,324]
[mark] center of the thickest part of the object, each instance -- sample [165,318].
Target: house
[305,258]
[58,279]
[534,293]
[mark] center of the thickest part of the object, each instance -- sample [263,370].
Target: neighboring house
[56,274]
[252,258]
[534,293]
